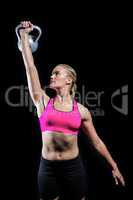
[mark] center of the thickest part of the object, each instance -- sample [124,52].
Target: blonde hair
[72,73]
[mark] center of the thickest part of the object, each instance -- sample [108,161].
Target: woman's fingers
[30,24]
[118,176]
[122,180]
[116,181]
[26,24]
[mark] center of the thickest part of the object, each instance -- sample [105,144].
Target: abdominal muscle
[59,146]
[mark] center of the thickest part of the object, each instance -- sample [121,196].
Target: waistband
[77,158]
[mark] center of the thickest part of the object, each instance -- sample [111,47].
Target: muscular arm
[34,86]
[90,131]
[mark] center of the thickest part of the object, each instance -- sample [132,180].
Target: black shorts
[66,179]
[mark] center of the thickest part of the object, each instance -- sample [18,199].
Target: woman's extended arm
[90,131]
[35,89]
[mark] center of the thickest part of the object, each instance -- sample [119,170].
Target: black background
[94,42]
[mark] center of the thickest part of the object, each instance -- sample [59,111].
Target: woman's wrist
[23,34]
[114,166]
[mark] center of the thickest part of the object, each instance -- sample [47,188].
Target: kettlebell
[33,41]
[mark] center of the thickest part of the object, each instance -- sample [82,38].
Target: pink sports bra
[60,121]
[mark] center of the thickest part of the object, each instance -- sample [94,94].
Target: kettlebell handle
[34,27]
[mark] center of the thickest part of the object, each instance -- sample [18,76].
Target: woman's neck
[62,98]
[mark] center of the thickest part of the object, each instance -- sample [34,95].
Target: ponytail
[73,90]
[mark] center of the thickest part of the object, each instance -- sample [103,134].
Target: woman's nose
[52,76]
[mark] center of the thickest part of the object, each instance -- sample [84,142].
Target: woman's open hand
[118,176]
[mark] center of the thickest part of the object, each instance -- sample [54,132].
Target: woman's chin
[52,87]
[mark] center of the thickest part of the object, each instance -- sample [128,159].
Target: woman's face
[59,78]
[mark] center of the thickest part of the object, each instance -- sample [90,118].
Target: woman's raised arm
[34,85]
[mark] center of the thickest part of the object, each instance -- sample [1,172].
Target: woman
[61,172]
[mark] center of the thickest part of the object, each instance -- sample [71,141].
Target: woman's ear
[68,81]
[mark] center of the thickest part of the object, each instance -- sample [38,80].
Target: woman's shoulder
[84,111]
[82,107]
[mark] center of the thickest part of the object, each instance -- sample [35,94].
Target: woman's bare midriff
[59,146]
